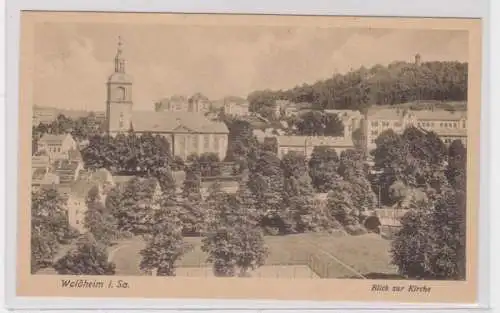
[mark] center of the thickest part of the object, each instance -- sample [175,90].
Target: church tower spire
[119,96]
[119,59]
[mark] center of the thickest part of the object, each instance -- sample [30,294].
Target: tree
[298,193]
[210,164]
[317,123]
[267,184]
[416,158]
[132,205]
[341,204]
[323,167]
[398,82]
[192,182]
[49,226]
[88,257]
[352,169]
[242,144]
[431,242]
[233,239]
[165,245]
[98,221]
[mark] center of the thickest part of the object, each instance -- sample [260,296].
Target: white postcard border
[421,8]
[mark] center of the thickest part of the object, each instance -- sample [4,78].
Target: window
[375,123]
[463,124]
[206,142]
[120,123]
[77,222]
[216,143]
[190,107]
[194,142]
[374,132]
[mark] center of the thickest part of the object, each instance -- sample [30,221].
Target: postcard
[274,157]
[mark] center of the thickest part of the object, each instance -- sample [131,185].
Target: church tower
[119,96]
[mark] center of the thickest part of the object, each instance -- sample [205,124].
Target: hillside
[399,82]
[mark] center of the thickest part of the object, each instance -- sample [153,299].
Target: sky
[74,60]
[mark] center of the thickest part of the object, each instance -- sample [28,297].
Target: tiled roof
[452,132]
[198,97]
[396,114]
[75,155]
[440,115]
[40,161]
[66,170]
[53,139]
[101,176]
[171,122]
[313,141]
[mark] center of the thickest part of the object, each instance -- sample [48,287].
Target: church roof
[172,122]
[120,78]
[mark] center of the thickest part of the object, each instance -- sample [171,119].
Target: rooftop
[314,141]
[170,122]
[53,139]
[395,113]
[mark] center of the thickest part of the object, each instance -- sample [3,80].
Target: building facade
[179,120]
[448,125]
[56,146]
[305,144]
[197,103]
[237,109]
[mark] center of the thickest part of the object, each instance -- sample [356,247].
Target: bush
[355,230]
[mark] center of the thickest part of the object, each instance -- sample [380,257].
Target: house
[77,191]
[180,120]
[39,162]
[306,144]
[101,177]
[76,196]
[57,146]
[448,125]
[67,170]
[351,118]
[43,178]
[197,103]
[236,108]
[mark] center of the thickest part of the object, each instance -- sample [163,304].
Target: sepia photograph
[248,149]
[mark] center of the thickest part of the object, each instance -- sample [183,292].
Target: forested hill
[398,82]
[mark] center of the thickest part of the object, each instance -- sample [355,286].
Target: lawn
[329,256]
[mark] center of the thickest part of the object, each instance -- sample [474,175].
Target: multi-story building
[306,144]
[234,108]
[448,125]
[197,103]
[57,146]
[350,118]
[189,132]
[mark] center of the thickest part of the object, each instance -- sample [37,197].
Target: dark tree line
[431,242]
[398,82]
[145,155]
